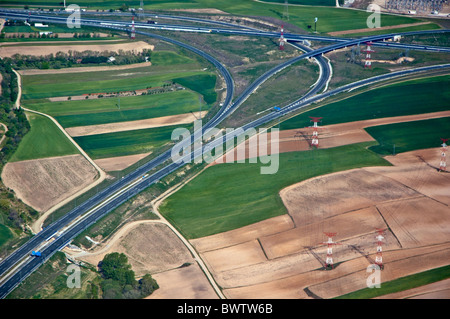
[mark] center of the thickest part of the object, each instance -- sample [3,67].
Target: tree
[115,266]
[119,280]
[147,285]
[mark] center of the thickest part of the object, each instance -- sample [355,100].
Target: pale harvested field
[233,237]
[151,247]
[408,200]
[136,47]
[183,283]
[84,69]
[43,183]
[345,278]
[418,170]
[132,125]
[119,163]
[417,260]
[329,136]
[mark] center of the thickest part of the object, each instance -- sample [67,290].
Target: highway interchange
[19,265]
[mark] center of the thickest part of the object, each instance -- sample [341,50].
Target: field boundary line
[155,204]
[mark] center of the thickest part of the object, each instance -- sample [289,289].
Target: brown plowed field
[329,136]
[43,183]
[132,125]
[152,247]
[38,50]
[119,163]
[409,200]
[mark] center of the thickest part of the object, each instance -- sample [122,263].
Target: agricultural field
[269,221]
[408,98]
[409,136]
[230,204]
[62,85]
[45,139]
[126,143]
[101,111]
[174,85]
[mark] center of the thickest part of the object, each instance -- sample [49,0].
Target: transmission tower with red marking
[329,264]
[443,163]
[133,30]
[379,256]
[282,40]
[315,134]
[368,51]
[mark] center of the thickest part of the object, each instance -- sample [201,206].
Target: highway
[130,185]
[230,29]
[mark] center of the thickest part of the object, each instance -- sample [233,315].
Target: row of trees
[68,59]
[35,35]
[14,119]
[12,213]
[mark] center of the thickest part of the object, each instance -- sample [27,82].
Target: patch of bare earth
[151,247]
[37,50]
[133,125]
[119,163]
[329,136]
[43,183]
[337,33]
[183,283]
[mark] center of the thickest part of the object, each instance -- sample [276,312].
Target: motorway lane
[126,14]
[241,31]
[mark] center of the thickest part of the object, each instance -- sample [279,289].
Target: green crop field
[203,83]
[50,28]
[106,110]
[429,26]
[37,86]
[229,196]
[44,139]
[409,136]
[406,98]
[126,143]
[169,58]
[401,284]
